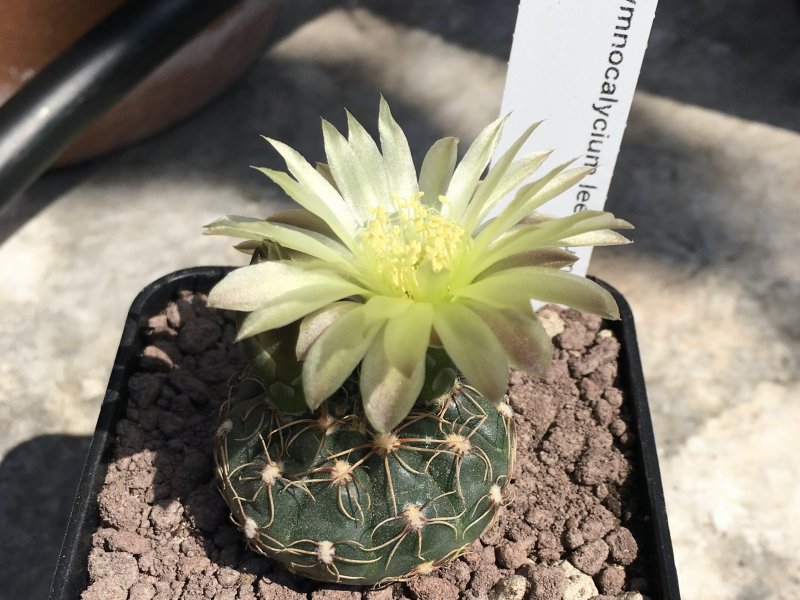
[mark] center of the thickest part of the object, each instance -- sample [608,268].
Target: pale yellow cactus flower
[384,263]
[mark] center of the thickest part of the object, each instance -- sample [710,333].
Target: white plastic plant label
[575,64]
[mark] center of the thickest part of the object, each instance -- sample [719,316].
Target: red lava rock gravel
[164,531]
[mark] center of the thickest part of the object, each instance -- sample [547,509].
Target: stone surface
[509,588]
[708,173]
[579,585]
[589,558]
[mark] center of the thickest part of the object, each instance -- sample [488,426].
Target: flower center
[413,237]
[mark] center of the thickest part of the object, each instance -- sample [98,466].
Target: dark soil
[569,532]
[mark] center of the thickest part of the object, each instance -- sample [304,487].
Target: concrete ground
[708,173]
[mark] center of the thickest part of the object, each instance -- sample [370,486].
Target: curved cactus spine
[332,499]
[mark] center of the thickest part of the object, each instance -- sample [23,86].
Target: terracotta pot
[33,32]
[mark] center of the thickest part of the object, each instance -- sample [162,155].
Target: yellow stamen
[399,243]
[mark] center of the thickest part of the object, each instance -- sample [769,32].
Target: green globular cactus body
[333,500]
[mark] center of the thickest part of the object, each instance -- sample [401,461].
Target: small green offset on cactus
[351,453]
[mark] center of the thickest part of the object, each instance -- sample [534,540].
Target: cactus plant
[370,439]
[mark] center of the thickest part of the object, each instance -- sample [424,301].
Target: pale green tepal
[370,440]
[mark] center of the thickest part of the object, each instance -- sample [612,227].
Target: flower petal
[306,241]
[351,181]
[293,306]
[469,170]
[316,323]
[555,258]
[407,337]
[437,170]
[495,177]
[522,336]
[398,165]
[302,219]
[473,348]
[545,231]
[529,198]
[601,237]
[324,170]
[381,308]
[313,192]
[519,170]
[387,391]
[369,159]
[335,354]
[514,288]
[248,246]
[251,287]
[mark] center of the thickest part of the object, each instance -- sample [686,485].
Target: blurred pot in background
[34,32]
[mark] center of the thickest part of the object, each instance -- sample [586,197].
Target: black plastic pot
[71,576]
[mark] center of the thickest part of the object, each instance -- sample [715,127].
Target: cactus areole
[370,439]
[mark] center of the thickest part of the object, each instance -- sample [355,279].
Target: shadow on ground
[38,480]
[740,57]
